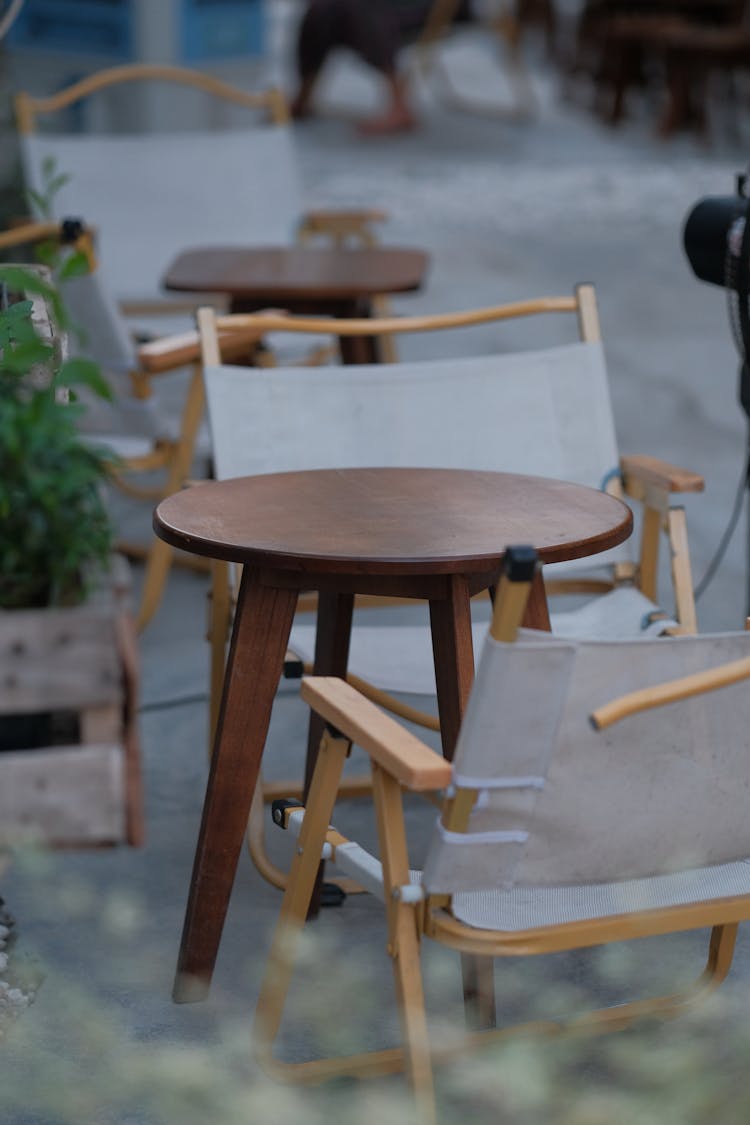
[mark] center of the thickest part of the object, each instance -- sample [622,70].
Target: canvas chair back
[561,804]
[544,413]
[100,333]
[151,196]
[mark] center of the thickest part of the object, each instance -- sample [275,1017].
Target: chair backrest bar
[150,196]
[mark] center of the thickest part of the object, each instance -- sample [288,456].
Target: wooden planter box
[81,665]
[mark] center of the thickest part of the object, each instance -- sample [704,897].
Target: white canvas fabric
[526,908]
[392,657]
[545,413]
[152,196]
[101,334]
[659,792]
[621,614]
[399,657]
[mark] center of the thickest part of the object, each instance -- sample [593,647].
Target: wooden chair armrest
[650,471]
[322,220]
[166,354]
[400,753]
[28,232]
[697,683]
[169,352]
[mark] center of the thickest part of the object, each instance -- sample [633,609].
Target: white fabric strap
[511,836]
[462,781]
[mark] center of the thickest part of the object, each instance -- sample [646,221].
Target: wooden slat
[134,810]
[653,471]
[399,752]
[345,215]
[101,724]
[588,314]
[62,795]
[57,659]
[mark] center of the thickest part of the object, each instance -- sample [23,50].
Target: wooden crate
[83,662]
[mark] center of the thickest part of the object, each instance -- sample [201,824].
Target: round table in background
[328,281]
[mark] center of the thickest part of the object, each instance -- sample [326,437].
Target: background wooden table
[339,282]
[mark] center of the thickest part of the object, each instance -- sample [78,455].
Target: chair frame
[505,28]
[400,761]
[163,356]
[645,479]
[337,225]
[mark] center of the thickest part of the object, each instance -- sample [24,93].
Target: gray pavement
[506,211]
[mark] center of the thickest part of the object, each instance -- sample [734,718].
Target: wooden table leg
[358,349]
[331,659]
[453,653]
[262,624]
[332,637]
[537,610]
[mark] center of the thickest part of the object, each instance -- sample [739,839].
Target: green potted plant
[56,530]
[69,762]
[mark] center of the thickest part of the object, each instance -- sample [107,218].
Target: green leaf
[22,280]
[79,372]
[20,359]
[55,183]
[75,265]
[39,203]
[47,252]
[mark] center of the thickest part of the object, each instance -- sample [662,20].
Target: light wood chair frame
[401,762]
[338,225]
[503,26]
[648,480]
[174,458]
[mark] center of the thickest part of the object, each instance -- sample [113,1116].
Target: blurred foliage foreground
[99,1046]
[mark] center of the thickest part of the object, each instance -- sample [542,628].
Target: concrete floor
[506,211]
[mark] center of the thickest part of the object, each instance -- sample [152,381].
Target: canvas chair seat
[398,658]
[622,614]
[127,447]
[531,908]
[124,446]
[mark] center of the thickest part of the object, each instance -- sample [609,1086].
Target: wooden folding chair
[145,198]
[150,195]
[544,412]
[597,795]
[501,25]
[143,438]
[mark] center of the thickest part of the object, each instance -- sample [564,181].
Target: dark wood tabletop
[390,520]
[297,273]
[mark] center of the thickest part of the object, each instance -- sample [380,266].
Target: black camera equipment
[716,237]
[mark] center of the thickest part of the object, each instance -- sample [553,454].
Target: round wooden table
[436,534]
[330,281]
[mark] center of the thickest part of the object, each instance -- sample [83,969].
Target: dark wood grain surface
[389,521]
[297,273]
